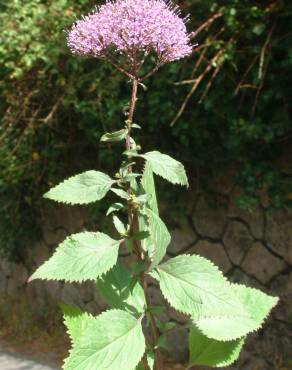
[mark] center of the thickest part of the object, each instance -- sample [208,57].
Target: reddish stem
[134,228]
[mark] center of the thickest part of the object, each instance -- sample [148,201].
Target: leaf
[120,227]
[87,187]
[150,362]
[121,290]
[135,125]
[193,285]
[167,167]
[114,208]
[140,235]
[158,240]
[76,322]
[148,185]
[82,256]
[210,352]
[114,136]
[113,341]
[120,193]
[228,327]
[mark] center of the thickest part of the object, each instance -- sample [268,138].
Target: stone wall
[254,249]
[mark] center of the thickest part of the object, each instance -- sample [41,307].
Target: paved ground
[10,362]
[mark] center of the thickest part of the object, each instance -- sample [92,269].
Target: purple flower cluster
[130,27]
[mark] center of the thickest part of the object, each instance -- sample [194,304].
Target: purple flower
[132,28]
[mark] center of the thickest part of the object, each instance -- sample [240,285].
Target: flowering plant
[131,334]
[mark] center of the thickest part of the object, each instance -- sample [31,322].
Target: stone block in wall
[240,277]
[261,264]
[6,267]
[54,237]
[177,341]
[71,218]
[214,252]
[254,219]
[3,284]
[36,294]
[279,233]
[53,289]
[70,295]
[272,344]
[209,220]
[39,253]
[92,307]
[99,300]
[20,274]
[237,241]
[86,291]
[282,286]
[12,287]
[18,278]
[181,238]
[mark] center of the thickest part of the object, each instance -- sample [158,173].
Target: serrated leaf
[228,327]
[87,187]
[168,168]
[121,290]
[148,186]
[210,352]
[156,244]
[76,322]
[120,193]
[193,285]
[82,256]
[114,136]
[120,227]
[113,341]
[114,208]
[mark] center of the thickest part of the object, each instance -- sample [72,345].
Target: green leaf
[114,136]
[87,187]
[167,167]
[120,193]
[210,352]
[130,153]
[150,362]
[135,125]
[113,341]
[120,227]
[76,322]
[121,290]
[162,342]
[114,208]
[193,285]
[140,235]
[148,185]
[82,256]
[165,326]
[156,309]
[158,240]
[142,199]
[228,327]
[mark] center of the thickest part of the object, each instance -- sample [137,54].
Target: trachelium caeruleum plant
[131,334]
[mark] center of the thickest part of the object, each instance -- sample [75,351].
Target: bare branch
[205,25]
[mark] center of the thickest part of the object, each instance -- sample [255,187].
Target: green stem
[134,228]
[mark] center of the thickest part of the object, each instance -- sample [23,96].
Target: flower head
[131,27]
